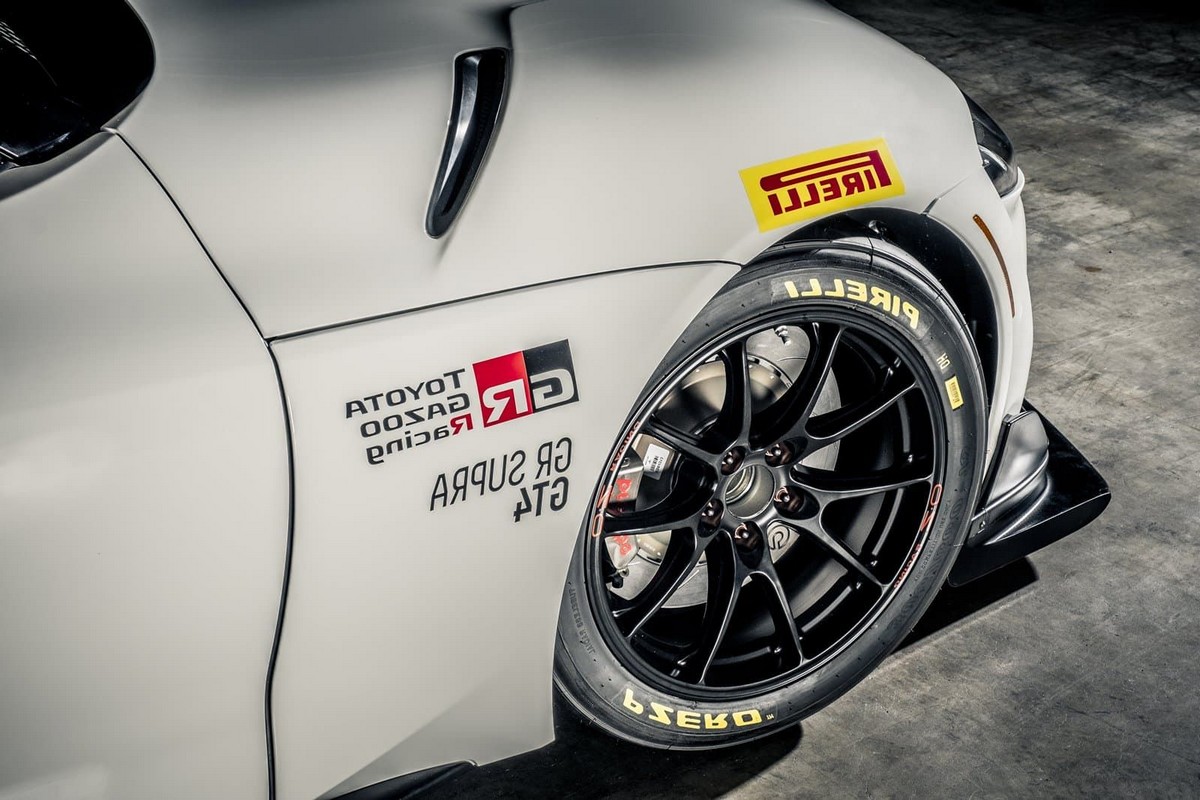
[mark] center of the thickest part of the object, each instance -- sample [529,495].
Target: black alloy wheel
[774,517]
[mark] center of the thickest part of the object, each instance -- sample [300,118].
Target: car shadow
[585,763]
[956,604]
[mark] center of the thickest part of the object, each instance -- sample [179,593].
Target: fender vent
[480,87]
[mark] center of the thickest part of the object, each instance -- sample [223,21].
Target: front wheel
[785,500]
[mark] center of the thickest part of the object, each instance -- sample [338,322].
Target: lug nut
[778,454]
[732,460]
[710,515]
[746,536]
[787,500]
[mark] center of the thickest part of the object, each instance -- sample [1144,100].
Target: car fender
[304,154]
[429,552]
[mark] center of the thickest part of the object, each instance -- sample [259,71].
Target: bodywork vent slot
[480,89]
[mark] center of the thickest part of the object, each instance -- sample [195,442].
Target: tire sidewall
[907,303]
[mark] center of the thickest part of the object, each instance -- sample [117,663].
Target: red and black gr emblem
[522,383]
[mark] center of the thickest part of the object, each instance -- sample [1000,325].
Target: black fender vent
[480,88]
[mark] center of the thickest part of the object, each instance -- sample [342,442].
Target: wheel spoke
[680,510]
[828,428]
[781,609]
[683,553]
[829,486]
[678,440]
[841,553]
[725,576]
[733,421]
[788,416]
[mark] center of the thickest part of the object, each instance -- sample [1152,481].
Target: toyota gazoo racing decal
[821,182]
[464,398]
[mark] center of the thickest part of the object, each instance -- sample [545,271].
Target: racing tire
[787,496]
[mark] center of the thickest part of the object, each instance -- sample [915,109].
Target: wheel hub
[749,491]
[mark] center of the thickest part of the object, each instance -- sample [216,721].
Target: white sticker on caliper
[655,461]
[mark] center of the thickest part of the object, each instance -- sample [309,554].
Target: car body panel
[398,615]
[327,130]
[143,497]
[299,141]
[1008,281]
[625,130]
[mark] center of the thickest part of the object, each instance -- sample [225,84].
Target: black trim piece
[997,155]
[1074,495]
[1017,475]
[410,785]
[480,89]
[287,429]
[66,72]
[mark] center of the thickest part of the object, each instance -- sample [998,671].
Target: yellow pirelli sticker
[823,181]
[954,392]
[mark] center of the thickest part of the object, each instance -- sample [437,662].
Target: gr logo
[518,384]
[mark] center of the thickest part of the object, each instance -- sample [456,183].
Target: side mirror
[67,73]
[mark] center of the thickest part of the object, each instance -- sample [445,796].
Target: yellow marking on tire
[887,301]
[662,714]
[954,392]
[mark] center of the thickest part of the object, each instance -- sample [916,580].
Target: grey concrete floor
[1074,673]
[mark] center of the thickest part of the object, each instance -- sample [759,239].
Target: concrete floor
[1079,675]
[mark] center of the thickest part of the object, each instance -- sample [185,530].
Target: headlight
[995,149]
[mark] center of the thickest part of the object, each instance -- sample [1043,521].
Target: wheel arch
[937,249]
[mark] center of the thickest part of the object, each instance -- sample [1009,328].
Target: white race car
[679,369]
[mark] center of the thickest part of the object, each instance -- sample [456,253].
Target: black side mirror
[66,73]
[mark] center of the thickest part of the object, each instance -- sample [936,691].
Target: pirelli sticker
[821,182]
